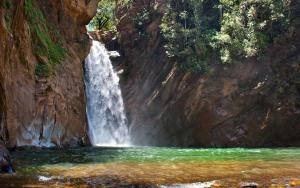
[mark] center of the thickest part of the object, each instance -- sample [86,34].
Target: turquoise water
[153,167]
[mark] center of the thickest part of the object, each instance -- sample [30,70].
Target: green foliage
[187,28]
[140,20]
[45,41]
[106,19]
[6,4]
[8,13]
[196,29]
[8,19]
[42,70]
[28,8]
[249,26]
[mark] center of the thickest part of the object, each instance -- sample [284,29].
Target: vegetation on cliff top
[195,29]
[45,39]
[106,18]
[188,27]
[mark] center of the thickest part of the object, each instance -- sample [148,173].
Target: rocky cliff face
[252,103]
[34,109]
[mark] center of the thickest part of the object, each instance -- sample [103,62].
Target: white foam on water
[191,185]
[44,178]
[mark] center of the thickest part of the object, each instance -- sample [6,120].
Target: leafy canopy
[195,29]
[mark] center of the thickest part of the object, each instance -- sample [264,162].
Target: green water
[153,167]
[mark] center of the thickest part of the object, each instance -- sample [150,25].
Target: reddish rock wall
[43,111]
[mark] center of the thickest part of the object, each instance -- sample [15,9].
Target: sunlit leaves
[237,28]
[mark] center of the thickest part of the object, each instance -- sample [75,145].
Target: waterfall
[105,108]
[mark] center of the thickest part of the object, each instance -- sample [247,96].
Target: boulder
[5,162]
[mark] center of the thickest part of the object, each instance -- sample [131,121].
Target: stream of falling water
[105,108]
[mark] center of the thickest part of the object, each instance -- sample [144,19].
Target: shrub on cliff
[106,19]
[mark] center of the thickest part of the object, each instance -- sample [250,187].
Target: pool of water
[154,167]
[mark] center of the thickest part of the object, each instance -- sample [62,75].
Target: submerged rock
[5,162]
[249,185]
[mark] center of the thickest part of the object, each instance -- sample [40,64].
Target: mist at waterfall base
[105,108]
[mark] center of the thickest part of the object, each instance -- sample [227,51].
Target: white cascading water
[105,108]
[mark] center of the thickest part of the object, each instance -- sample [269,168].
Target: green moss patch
[45,43]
